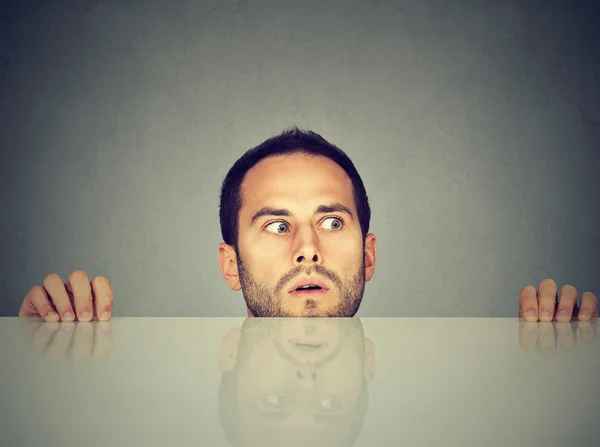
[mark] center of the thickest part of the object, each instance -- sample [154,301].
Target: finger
[80,351]
[567,335]
[566,303]
[102,341]
[589,306]
[59,345]
[79,285]
[547,299]
[37,303]
[588,331]
[29,326]
[546,339]
[42,337]
[58,294]
[103,297]
[528,303]
[528,335]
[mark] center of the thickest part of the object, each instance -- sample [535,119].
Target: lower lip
[309,293]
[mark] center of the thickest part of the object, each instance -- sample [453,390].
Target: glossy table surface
[259,382]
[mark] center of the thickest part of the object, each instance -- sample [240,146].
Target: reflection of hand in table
[79,342]
[547,337]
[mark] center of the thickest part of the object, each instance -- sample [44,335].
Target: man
[295,224]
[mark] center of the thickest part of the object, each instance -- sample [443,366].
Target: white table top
[367,382]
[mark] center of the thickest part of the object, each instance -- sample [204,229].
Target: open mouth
[310,291]
[308,287]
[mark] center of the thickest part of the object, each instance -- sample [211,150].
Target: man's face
[287,233]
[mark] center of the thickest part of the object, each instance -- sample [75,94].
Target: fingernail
[68,316]
[85,316]
[563,313]
[52,314]
[585,314]
[105,316]
[531,314]
[545,315]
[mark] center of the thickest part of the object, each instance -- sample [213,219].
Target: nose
[300,259]
[308,250]
[307,377]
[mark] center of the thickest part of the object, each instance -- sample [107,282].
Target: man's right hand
[78,298]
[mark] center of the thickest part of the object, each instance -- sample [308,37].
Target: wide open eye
[277,227]
[335,223]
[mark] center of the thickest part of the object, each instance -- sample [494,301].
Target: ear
[370,256]
[228,350]
[369,359]
[229,268]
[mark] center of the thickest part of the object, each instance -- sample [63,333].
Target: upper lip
[308,281]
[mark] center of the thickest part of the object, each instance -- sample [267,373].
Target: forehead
[297,178]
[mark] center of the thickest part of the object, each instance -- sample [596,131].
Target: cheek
[346,253]
[263,261]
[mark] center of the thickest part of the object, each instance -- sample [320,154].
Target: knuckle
[37,291]
[66,306]
[548,282]
[105,304]
[78,275]
[100,281]
[45,305]
[52,277]
[83,299]
[525,289]
[568,288]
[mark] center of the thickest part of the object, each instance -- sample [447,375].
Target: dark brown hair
[291,141]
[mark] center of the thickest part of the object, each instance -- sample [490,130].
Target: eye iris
[281,227]
[336,223]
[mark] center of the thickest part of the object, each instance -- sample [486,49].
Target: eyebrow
[322,209]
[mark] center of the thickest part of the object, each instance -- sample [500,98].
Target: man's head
[294,210]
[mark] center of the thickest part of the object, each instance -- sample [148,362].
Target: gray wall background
[475,127]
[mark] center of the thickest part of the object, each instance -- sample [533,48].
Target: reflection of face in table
[295,381]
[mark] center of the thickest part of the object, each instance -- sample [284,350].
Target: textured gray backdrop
[473,123]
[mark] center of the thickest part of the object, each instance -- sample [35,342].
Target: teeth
[309,286]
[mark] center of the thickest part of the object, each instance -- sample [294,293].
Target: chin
[313,313]
[310,310]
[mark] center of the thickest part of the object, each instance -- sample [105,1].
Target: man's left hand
[542,304]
